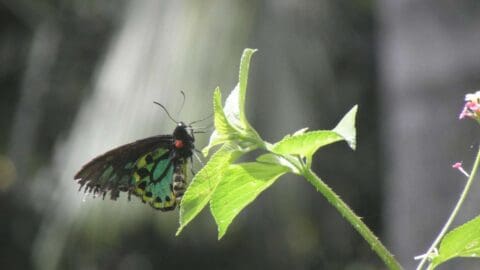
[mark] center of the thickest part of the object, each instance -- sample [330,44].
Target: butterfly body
[153,169]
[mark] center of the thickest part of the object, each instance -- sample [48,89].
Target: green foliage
[241,184]
[223,130]
[204,184]
[460,242]
[230,187]
[306,144]
[463,241]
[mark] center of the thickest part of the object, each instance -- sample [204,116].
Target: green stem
[454,212]
[354,220]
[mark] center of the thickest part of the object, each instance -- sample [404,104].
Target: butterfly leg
[191,167]
[195,153]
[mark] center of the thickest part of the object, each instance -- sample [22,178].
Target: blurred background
[79,77]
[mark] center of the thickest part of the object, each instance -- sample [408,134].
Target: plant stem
[354,220]
[454,212]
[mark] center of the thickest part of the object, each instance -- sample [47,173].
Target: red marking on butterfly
[178,144]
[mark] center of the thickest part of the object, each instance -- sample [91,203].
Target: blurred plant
[463,241]
[229,187]
[471,109]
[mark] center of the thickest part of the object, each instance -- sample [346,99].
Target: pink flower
[471,108]
[458,166]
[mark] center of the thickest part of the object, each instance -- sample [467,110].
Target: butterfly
[154,169]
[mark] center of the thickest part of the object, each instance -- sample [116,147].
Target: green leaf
[222,124]
[242,82]
[346,127]
[306,144]
[300,131]
[242,183]
[223,129]
[235,104]
[463,241]
[279,160]
[270,158]
[230,121]
[204,184]
[232,109]
[215,139]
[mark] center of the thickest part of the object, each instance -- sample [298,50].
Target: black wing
[113,170]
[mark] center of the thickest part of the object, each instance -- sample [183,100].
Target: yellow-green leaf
[240,185]
[223,129]
[204,184]
[307,143]
[463,241]
[243,80]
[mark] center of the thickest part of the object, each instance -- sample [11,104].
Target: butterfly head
[183,137]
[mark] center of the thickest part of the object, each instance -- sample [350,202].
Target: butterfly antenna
[203,119]
[184,97]
[205,127]
[168,114]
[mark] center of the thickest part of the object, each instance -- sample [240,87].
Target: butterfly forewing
[112,172]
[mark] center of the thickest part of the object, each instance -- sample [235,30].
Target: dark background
[78,78]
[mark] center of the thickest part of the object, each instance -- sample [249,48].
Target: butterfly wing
[114,171]
[153,176]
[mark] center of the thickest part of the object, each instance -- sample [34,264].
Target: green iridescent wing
[143,168]
[153,176]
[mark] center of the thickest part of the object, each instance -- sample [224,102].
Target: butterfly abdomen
[179,183]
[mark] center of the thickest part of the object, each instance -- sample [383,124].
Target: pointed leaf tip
[346,127]
[242,82]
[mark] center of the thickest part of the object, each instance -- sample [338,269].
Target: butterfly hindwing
[153,178]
